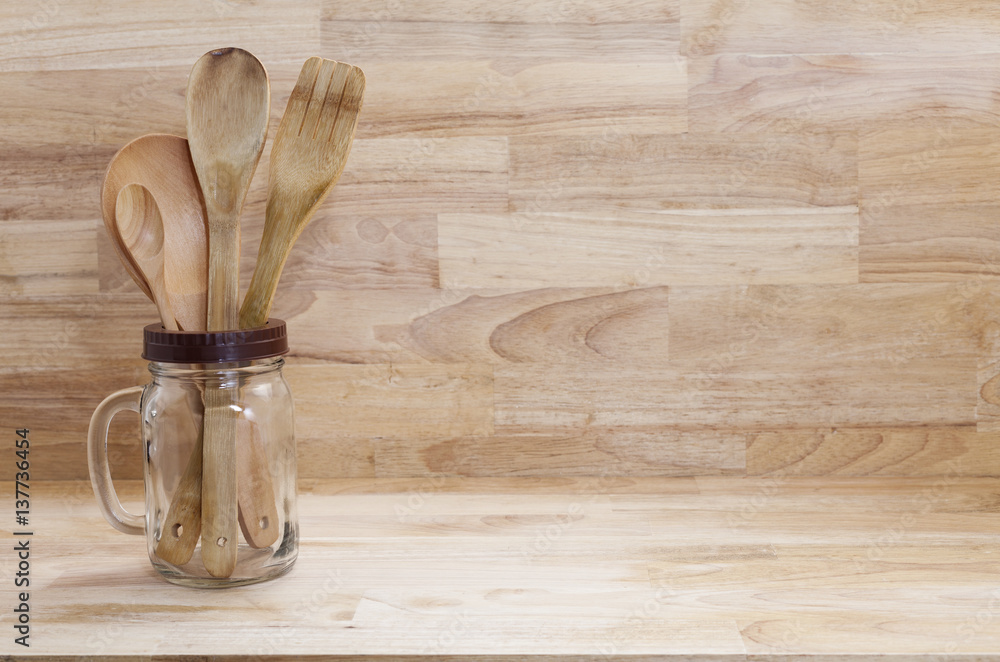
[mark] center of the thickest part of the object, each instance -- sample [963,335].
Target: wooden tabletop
[559,569]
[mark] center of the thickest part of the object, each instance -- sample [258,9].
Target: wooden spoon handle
[219,517]
[258,511]
[223,276]
[181,528]
[182,525]
[161,299]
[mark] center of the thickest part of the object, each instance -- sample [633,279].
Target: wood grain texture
[556,325]
[219,491]
[988,405]
[117,105]
[628,249]
[639,451]
[377,230]
[58,332]
[470,40]
[895,323]
[64,35]
[59,424]
[916,451]
[701,171]
[139,226]
[372,251]
[944,165]
[697,394]
[514,69]
[931,243]
[652,330]
[340,413]
[225,146]
[565,95]
[46,182]
[841,26]
[161,164]
[385,237]
[389,175]
[924,216]
[551,326]
[43,258]
[114,105]
[352,400]
[549,12]
[555,569]
[790,93]
[181,528]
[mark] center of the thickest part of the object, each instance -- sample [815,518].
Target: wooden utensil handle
[219,524]
[181,528]
[223,277]
[280,233]
[257,303]
[259,519]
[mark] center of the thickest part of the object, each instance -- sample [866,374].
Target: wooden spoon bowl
[141,230]
[162,164]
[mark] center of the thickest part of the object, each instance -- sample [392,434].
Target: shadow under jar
[243,371]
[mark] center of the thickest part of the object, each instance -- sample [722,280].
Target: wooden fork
[307,158]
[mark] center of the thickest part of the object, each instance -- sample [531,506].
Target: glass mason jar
[219,469]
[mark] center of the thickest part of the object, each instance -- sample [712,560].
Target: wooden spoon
[141,229]
[162,164]
[307,158]
[228,104]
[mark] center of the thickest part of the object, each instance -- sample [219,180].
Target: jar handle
[97,460]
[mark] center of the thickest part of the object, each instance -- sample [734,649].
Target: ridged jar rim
[239,345]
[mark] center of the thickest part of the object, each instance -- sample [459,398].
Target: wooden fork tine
[350,106]
[314,112]
[299,99]
[331,104]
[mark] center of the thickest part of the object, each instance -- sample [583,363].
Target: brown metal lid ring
[214,346]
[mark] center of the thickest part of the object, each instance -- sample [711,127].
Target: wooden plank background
[657,237]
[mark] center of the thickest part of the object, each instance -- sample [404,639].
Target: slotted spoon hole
[177,530]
